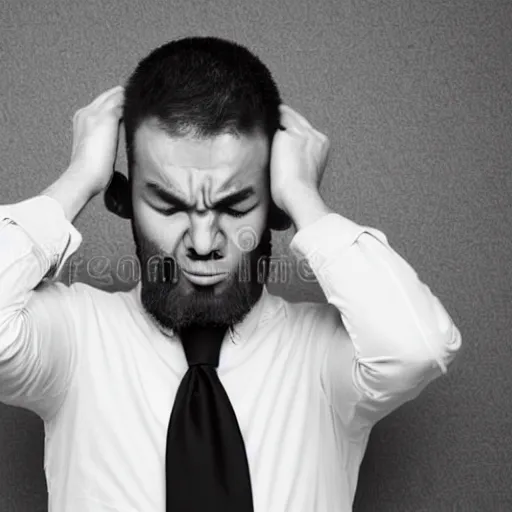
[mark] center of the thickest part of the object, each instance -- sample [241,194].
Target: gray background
[416,98]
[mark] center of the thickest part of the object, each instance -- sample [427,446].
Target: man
[135,420]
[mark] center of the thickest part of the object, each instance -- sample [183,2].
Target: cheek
[158,230]
[245,233]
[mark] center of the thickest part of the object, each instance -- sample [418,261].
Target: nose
[204,240]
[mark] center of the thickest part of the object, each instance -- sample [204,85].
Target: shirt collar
[264,308]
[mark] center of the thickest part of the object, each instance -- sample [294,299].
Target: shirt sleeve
[37,337]
[388,335]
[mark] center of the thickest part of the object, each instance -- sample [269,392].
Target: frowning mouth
[204,279]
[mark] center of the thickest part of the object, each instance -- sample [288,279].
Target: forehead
[222,159]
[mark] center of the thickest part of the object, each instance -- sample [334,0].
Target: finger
[107,94]
[294,118]
[115,101]
[287,120]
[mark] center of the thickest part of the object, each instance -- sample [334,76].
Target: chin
[179,304]
[175,302]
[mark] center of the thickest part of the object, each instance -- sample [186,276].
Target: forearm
[306,208]
[72,190]
[391,313]
[392,318]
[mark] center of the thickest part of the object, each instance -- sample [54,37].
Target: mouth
[205,279]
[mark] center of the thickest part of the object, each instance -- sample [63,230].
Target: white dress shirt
[307,381]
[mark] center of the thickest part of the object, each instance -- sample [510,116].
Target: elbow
[383,377]
[12,331]
[443,340]
[444,347]
[434,354]
[430,350]
[410,370]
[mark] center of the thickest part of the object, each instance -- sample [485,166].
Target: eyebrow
[225,202]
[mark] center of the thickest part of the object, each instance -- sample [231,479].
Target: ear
[278,220]
[117,196]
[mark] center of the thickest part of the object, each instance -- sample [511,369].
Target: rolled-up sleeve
[388,335]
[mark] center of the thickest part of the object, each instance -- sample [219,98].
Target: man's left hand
[299,157]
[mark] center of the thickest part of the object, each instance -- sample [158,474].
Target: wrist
[305,207]
[73,190]
[83,179]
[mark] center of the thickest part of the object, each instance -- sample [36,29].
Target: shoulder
[80,297]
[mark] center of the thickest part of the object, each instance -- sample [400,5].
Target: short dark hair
[203,86]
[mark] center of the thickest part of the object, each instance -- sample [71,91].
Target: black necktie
[206,463]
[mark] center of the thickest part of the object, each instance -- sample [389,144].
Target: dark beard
[176,304]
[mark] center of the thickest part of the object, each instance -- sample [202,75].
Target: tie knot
[202,344]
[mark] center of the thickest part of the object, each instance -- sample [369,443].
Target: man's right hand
[96,137]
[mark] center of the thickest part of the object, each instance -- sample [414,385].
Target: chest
[121,405]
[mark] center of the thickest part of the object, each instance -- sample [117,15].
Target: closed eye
[234,213]
[229,211]
[223,206]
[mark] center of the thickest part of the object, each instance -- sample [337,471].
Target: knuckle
[324,140]
[108,108]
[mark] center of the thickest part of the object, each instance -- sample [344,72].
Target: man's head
[199,116]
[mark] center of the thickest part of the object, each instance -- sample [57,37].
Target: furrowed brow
[166,195]
[171,197]
[235,198]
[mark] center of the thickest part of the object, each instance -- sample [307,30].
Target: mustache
[162,267]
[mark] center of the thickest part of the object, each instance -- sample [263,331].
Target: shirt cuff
[327,238]
[43,220]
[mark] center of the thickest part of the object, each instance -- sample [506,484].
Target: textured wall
[416,97]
